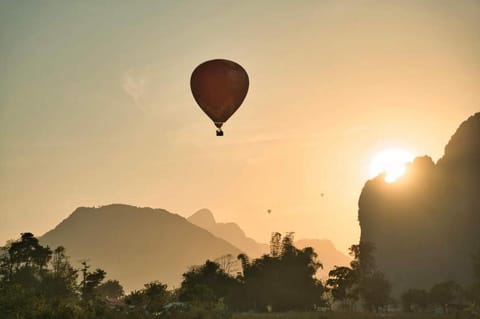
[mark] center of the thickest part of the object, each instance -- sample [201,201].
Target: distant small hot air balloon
[219,87]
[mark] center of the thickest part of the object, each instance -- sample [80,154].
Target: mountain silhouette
[426,225]
[231,232]
[136,245]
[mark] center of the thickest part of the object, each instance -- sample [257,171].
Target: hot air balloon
[219,88]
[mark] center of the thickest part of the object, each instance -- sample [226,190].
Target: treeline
[283,280]
[362,284]
[37,282]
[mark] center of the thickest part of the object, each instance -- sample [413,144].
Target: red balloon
[219,87]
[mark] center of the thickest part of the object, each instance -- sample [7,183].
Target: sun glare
[392,162]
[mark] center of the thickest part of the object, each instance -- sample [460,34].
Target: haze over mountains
[328,254]
[231,232]
[138,245]
[426,225]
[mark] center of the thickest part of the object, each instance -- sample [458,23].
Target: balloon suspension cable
[219,132]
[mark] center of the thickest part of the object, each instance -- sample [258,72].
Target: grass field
[344,315]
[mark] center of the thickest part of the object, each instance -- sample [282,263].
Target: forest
[38,282]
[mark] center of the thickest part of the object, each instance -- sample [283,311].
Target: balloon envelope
[219,87]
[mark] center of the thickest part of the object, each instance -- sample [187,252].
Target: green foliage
[473,291]
[91,281]
[156,295]
[27,252]
[206,284]
[415,300]
[110,289]
[199,294]
[284,280]
[444,293]
[375,291]
[361,280]
[36,282]
[150,300]
[341,284]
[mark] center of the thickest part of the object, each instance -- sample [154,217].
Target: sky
[95,106]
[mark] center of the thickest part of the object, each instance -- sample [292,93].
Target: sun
[392,162]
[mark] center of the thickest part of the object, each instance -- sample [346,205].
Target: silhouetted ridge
[136,245]
[232,233]
[203,218]
[426,225]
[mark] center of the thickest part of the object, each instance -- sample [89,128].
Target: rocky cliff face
[426,225]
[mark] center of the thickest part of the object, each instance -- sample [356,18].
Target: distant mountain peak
[136,244]
[230,232]
[203,218]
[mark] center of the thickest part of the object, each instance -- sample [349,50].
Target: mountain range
[425,228]
[328,254]
[138,245]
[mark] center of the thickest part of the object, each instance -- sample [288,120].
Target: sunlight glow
[392,162]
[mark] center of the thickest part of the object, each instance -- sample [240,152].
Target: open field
[341,315]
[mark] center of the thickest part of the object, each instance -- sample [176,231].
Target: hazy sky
[95,106]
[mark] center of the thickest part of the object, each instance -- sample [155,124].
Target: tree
[25,253]
[6,263]
[275,244]
[62,280]
[17,302]
[284,280]
[156,295]
[375,290]
[415,300]
[473,291]
[363,260]
[60,264]
[341,283]
[90,282]
[229,264]
[209,275]
[35,281]
[366,281]
[244,261]
[136,299]
[59,284]
[200,295]
[443,293]
[110,289]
